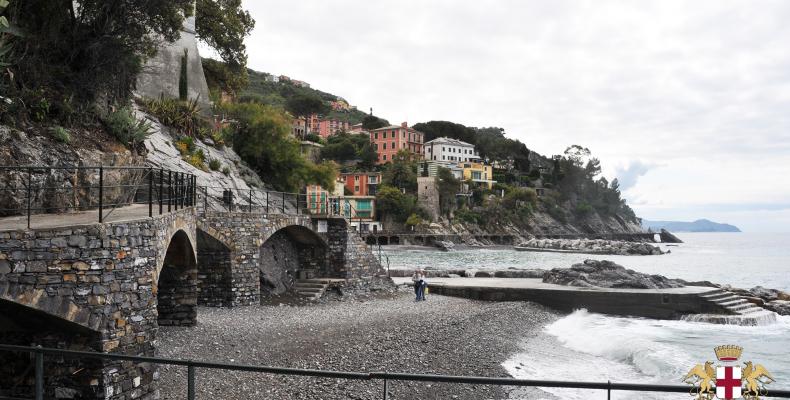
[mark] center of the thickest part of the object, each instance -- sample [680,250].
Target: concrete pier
[649,303]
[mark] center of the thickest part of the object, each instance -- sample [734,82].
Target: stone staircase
[732,309]
[314,288]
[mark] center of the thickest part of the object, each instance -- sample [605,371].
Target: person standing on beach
[417,279]
[423,284]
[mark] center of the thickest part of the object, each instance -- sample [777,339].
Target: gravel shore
[442,335]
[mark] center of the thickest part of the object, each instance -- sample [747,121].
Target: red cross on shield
[728,382]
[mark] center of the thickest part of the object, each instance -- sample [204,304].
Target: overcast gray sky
[686,102]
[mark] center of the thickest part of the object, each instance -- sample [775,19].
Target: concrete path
[133,212]
[534,283]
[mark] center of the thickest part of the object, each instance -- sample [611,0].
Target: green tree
[447,186]
[304,105]
[183,80]
[262,138]
[373,122]
[223,25]
[393,205]
[401,172]
[344,147]
[89,49]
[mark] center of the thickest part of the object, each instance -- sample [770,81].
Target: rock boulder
[607,274]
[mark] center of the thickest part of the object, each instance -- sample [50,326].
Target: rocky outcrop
[594,273]
[781,307]
[592,246]
[445,245]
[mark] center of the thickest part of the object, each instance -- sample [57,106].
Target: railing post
[386,388]
[101,193]
[194,190]
[609,390]
[250,200]
[205,199]
[181,190]
[39,375]
[297,204]
[161,188]
[283,202]
[191,382]
[29,193]
[267,202]
[150,192]
[169,190]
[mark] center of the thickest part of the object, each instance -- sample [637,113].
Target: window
[476,175]
[384,157]
[403,134]
[384,146]
[376,135]
[356,178]
[356,189]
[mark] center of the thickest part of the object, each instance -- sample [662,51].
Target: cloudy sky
[686,102]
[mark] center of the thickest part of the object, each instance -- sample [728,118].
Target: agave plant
[5,47]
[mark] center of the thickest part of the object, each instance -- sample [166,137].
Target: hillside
[700,225]
[277,94]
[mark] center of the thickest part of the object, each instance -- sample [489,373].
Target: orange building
[387,141]
[361,183]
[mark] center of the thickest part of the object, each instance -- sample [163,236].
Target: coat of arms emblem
[728,380]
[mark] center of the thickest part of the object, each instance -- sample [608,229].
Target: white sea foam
[585,346]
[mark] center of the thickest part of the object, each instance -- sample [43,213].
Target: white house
[449,150]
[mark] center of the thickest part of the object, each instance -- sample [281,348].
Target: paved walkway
[48,221]
[537,284]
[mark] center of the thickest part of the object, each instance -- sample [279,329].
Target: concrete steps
[314,288]
[734,310]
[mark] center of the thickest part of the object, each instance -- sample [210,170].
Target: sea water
[584,346]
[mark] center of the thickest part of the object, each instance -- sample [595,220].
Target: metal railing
[384,377]
[272,202]
[31,190]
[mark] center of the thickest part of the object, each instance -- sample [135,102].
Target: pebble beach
[442,335]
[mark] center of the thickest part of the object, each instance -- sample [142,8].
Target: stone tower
[161,73]
[428,195]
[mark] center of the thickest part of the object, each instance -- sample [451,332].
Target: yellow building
[478,173]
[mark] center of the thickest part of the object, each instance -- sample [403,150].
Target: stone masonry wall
[101,277]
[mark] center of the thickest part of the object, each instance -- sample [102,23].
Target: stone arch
[290,253]
[178,224]
[176,283]
[214,271]
[23,325]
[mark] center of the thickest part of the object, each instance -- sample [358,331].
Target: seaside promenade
[670,303]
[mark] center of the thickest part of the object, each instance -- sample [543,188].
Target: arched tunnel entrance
[215,279]
[177,284]
[64,377]
[294,252]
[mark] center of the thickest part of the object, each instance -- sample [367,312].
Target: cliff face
[61,189]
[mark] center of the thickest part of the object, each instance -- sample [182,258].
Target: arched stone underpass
[64,377]
[215,272]
[291,253]
[176,289]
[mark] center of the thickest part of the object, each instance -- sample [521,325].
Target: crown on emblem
[728,352]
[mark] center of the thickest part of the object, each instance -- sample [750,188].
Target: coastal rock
[607,274]
[781,307]
[768,294]
[593,246]
[445,245]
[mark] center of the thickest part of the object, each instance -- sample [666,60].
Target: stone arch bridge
[109,286]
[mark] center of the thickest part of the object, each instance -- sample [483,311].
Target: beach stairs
[314,288]
[731,309]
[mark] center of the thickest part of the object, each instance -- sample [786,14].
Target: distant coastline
[700,225]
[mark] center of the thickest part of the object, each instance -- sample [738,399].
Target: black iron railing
[384,377]
[30,190]
[272,202]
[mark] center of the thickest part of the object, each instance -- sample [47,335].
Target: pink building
[390,139]
[329,127]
